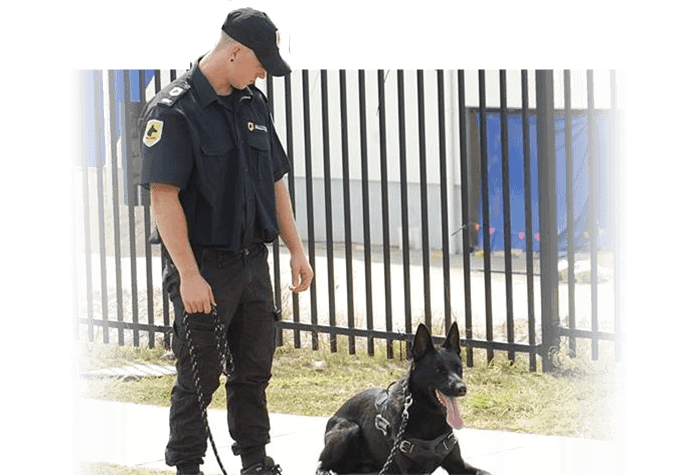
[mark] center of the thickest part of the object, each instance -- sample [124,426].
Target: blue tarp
[580,176]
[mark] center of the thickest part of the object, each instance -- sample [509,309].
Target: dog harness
[420,451]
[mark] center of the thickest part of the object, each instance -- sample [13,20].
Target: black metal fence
[472,187]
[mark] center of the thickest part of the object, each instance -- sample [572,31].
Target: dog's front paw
[482,472]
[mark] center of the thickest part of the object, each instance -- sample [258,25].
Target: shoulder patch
[153,131]
[170,96]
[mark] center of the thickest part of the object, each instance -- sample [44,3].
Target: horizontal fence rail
[481,197]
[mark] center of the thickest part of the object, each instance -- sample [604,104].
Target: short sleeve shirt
[223,153]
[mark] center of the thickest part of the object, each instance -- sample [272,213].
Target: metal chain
[401,431]
[226,364]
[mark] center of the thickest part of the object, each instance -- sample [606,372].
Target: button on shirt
[224,155]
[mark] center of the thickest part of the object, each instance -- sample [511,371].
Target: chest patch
[153,132]
[252,127]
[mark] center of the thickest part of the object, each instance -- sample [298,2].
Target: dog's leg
[455,465]
[342,451]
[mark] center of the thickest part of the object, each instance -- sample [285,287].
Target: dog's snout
[460,388]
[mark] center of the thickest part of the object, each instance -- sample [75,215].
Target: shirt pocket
[260,156]
[217,164]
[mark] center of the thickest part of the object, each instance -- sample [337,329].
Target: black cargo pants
[242,289]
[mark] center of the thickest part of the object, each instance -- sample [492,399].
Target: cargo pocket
[202,330]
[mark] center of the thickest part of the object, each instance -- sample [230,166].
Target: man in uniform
[214,166]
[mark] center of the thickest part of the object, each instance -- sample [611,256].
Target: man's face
[247,69]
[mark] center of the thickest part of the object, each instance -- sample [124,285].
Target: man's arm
[196,294]
[302,273]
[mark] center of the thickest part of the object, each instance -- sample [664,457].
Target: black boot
[266,468]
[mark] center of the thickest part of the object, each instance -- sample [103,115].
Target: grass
[578,400]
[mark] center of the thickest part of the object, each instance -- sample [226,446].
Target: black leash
[226,364]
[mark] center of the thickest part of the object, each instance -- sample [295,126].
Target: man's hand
[196,294]
[302,273]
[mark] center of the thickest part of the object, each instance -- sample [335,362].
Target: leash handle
[224,355]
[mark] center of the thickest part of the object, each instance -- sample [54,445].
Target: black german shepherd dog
[359,438]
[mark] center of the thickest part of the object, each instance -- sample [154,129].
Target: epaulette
[172,94]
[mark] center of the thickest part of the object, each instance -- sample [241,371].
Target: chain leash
[401,430]
[226,364]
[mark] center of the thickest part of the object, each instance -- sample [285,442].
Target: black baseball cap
[254,29]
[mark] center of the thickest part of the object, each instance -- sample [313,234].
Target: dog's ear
[423,343]
[453,343]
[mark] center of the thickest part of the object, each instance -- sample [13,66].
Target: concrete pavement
[135,435]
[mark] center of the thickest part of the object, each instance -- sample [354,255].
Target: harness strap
[415,449]
[437,449]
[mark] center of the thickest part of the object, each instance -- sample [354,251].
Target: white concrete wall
[602,100]
[432,145]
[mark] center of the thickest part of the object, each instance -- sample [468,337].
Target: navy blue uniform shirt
[224,155]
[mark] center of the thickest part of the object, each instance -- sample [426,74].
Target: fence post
[547,192]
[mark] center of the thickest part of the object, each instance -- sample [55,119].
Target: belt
[214,252]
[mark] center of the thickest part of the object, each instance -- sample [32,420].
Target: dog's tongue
[453,415]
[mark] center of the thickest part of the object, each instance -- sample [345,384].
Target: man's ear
[234,51]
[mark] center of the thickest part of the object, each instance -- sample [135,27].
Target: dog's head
[437,372]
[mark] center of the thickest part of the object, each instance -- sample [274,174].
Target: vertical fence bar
[425,246]
[570,228]
[616,230]
[444,193]
[547,193]
[465,216]
[381,80]
[146,223]
[99,146]
[114,123]
[507,236]
[310,200]
[528,220]
[297,340]
[346,178]
[592,225]
[130,193]
[327,177]
[484,187]
[276,252]
[366,207]
[404,205]
[164,292]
